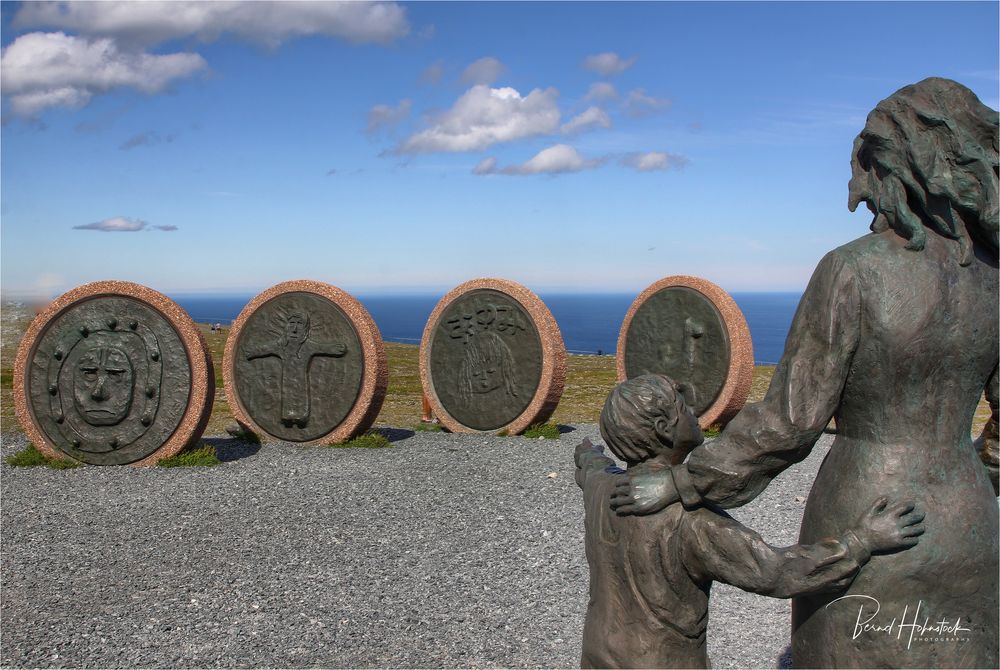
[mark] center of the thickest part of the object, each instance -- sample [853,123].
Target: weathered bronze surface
[109,381]
[486,359]
[650,577]
[298,366]
[896,337]
[679,332]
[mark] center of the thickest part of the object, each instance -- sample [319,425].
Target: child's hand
[643,492]
[584,448]
[888,527]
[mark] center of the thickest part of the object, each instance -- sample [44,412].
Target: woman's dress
[898,346]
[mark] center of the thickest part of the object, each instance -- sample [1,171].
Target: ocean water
[589,322]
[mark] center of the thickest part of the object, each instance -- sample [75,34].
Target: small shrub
[370,440]
[427,427]
[549,431]
[31,457]
[202,455]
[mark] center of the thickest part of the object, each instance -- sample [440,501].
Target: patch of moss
[423,427]
[31,457]
[713,430]
[202,455]
[370,440]
[549,431]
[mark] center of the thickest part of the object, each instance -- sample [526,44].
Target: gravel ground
[444,551]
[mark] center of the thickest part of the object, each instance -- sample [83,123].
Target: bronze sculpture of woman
[896,337]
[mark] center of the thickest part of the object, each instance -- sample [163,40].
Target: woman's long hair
[927,158]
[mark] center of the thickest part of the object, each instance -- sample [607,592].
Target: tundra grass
[31,457]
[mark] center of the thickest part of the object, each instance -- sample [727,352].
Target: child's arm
[590,458]
[717,547]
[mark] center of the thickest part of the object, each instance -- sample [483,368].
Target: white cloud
[385,116]
[484,71]
[122,224]
[558,159]
[485,116]
[432,73]
[42,70]
[608,63]
[637,103]
[592,117]
[117,224]
[486,166]
[601,90]
[654,160]
[140,24]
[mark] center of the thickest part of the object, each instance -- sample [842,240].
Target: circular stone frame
[199,407]
[553,374]
[375,371]
[736,388]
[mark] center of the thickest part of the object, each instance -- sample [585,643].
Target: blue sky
[224,147]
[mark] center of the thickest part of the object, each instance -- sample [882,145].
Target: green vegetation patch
[549,431]
[238,432]
[427,427]
[202,455]
[373,439]
[713,430]
[249,436]
[31,457]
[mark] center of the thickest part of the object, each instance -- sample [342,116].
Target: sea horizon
[589,321]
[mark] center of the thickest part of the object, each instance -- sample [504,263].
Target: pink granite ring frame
[736,388]
[375,374]
[199,406]
[553,374]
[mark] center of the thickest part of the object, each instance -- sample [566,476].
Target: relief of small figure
[296,352]
[650,576]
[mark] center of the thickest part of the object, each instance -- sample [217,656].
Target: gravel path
[444,551]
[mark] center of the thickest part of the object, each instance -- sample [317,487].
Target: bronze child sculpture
[650,577]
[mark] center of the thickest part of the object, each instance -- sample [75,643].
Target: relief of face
[102,386]
[297,328]
[486,377]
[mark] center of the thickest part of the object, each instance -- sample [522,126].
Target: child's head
[645,417]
